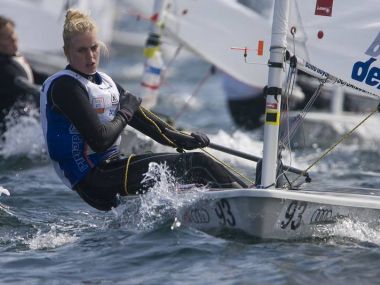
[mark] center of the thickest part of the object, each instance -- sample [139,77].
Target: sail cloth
[39,23]
[211,28]
[341,37]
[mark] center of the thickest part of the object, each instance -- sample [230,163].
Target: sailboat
[270,209]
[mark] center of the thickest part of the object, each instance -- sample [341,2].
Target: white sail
[211,28]
[39,23]
[341,37]
[341,44]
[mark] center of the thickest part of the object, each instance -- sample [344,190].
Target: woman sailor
[83,112]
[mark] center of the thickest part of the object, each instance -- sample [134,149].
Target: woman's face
[83,52]
[8,40]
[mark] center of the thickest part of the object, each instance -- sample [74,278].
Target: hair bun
[73,14]
[76,22]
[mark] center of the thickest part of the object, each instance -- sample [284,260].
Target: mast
[157,15]
[273,101]
[153,66]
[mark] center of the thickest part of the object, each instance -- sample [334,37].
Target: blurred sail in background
[39,26]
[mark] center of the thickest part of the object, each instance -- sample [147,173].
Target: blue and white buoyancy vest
[71,156]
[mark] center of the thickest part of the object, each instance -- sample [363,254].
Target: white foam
[4,191]
[51,239]
[356,230]
[160,204]
[24,138]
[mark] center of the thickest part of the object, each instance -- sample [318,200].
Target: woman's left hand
[185,141]
[201,138]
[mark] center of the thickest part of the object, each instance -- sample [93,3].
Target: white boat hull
[277,214]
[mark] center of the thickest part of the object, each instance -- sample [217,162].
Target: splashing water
[51,239]
[2,206]
[351,229]
[4,191]
[23,138]
[160,203]
[176,224]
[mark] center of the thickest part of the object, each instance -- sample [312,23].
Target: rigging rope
[196,91]
[301,116]
[228,166]
[163,75]
[143,111]
[345,136]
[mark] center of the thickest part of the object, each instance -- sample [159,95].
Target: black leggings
[101,186]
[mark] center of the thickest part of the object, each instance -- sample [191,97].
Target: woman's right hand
[129,104]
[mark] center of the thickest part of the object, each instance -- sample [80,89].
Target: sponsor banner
[324,8]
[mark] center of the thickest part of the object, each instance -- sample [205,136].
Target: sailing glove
[201,138]
[192,141]
[129,104]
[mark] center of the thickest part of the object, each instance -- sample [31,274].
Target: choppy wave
[23,138]
[50,239]
[159,205]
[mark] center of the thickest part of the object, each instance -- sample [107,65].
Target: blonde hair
[76,23]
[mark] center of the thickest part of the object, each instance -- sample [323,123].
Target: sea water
[48,235]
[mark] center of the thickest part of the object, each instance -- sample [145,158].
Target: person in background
[246,103]
[83,112]
[18,80]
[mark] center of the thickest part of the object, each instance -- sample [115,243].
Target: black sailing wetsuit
[100,186]
[14,92]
